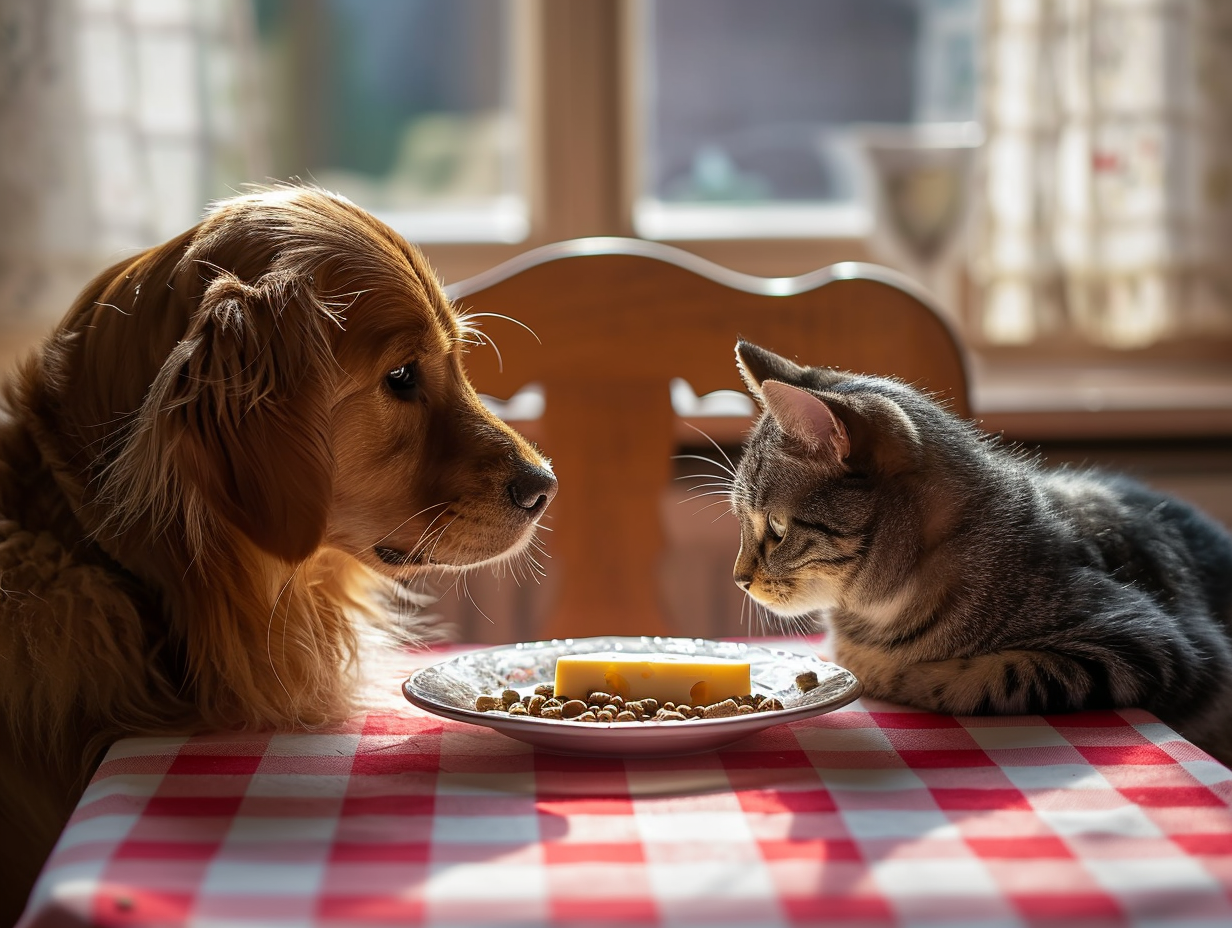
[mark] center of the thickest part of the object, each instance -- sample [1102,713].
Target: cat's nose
[743,581]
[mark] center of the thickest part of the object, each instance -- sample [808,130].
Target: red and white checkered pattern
[870,815]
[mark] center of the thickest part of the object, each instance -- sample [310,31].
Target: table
[870,815]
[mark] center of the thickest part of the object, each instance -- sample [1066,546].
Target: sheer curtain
[120,120]
[1107,207]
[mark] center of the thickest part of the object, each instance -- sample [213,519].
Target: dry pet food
[599,706]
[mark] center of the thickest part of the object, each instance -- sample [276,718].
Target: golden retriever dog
[219,471]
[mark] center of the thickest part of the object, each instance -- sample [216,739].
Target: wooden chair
[614,321]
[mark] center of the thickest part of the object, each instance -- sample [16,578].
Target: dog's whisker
[470,596]
[500,360]
[435,542]
[469,317]
[408,519]
[269,631]
[430,534]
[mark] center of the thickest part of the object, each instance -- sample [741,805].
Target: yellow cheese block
[679,678]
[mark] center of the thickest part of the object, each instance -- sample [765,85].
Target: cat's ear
[757,364]
[807,419]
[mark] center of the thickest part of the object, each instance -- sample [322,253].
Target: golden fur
[209,488]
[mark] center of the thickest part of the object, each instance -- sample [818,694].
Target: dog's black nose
[532,487]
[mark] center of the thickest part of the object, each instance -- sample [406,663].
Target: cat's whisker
[698,457]
[731,466]
[693,497]
[717,502]
[724,488]
[706,477]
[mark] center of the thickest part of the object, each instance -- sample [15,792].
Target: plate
[449,688]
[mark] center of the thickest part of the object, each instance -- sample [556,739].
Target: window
[755,118]
[1056,172]
[406,106]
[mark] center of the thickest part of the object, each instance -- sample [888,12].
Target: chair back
[605,325]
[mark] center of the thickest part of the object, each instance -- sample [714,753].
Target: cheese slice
[680,678]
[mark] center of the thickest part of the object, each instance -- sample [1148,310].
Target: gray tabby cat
[962,577]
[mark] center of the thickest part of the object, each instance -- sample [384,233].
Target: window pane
[406,106]
[762,103]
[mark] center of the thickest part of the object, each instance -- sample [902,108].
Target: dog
[217,475]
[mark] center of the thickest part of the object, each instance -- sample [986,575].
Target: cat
[961,576]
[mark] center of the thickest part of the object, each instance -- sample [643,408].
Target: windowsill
[659,221]
[503,220]
[1162,399]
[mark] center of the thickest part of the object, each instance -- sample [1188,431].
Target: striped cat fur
[959,575]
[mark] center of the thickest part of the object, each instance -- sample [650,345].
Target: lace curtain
[120,118]
[1107,184]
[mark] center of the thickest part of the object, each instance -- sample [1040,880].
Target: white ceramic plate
[449,689]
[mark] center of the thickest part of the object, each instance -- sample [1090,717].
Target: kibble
[722,710]
[544,703]
[487,703]
[807,681]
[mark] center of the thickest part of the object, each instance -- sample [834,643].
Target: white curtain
[1107,174]
[120,119]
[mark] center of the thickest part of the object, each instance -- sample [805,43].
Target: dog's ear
[256,437]
[238,416]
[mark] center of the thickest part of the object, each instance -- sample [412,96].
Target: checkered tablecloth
[870,815]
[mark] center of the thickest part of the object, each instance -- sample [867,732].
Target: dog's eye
[403,381]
